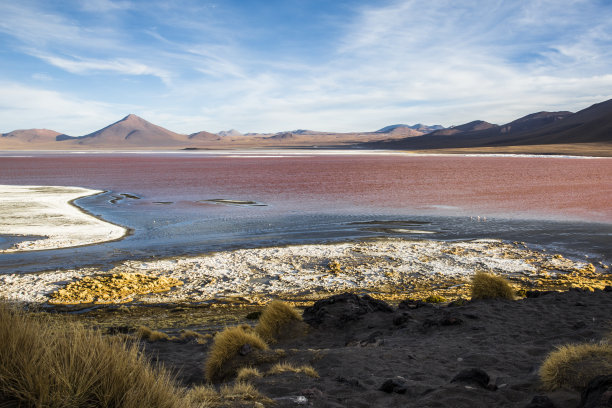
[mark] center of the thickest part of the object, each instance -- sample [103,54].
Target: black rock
[353,382]
[608,288]
[540,401]
[401,319]
[253,315]
[445,318]
[474,376]
[119,330]
[337,310]
[245,349]
[413,304]
[395,385]
[598,393]
[537,293]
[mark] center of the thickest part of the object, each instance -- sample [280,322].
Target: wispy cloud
[433,61]
[120,66]
[26,106]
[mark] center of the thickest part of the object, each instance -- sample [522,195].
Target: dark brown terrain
[368,354]
[587,132]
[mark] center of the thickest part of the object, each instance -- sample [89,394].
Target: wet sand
[48,213]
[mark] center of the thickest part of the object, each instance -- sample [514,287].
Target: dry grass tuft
[276,316]
[227,345]
[234,395]
[279,368]
[489,286]
[574,365]
[47,362]
[435,299]
[246,373]
[187,335]
[151,335]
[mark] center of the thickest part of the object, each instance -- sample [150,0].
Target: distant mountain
[31,135]
[203,136]
[131,131]
[418,127]
[230,133]
[591,125]
[473,126]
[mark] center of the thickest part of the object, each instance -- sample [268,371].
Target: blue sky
[264,66]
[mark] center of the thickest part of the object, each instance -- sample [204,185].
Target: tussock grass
[237,394]
[187,335]
[246,373]
[284,367]
[151,335]
[435,299]
[275,317]
[574,365]
[47,362]
[489,286]
[227,345]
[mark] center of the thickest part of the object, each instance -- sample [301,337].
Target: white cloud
[104,6]
[25,107]
[435,61]
[120,65]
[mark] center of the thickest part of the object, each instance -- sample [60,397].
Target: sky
[75,66]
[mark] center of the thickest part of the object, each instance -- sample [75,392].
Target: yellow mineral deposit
[116,288]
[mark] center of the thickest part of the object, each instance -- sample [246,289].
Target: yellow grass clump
[276,316]
[237,394]
[246,373]
[227,345]
[151,335]
[115,288]
[186,335]
[279,368]
[51,362]
[489,286]
[574,365]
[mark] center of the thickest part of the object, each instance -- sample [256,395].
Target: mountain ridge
[590,125]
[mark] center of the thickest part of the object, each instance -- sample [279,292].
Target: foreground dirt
[357,344]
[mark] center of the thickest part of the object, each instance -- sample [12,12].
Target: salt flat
[385,267]
[48,212]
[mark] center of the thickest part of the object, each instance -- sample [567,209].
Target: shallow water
[192,203]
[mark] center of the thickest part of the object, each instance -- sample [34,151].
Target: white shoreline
[385,266]
[48,212]
[289,152]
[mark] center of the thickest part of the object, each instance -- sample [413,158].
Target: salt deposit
[46,211]
[389,268]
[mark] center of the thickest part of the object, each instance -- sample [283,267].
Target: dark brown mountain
[473,126]
[131,131]
[590,125]
[203,136]
[25,136]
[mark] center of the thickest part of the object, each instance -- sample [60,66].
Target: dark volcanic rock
[598,393]
[338,310]
[474,376]
[413,304]
[537,293]
[396,385]
[401,319]
[445,319]
[540,401]
[353,382]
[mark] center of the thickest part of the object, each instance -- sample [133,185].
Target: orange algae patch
[115,288]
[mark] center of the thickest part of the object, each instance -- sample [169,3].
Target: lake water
[198,202]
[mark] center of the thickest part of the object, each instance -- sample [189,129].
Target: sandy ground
[355,349]
[48,212]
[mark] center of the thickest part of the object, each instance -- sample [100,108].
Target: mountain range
[583,132]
